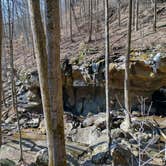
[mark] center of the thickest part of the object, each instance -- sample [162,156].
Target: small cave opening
[159,101]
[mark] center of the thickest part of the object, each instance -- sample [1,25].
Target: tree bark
[108,117]
[90,21]
[13,84]
[66,11]
[136,15]
[127,71]
[84,11]
[97,16]
[133,12]
[1,22]
[42,65]
[70,15]
[155,16]
[118,12]
[55,80]
[75,18]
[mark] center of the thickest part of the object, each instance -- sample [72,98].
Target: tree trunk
[55,80]
[155,15]
[13,72]
[97,16]
[42,65]
[136,15]
[108,117]
[118,12]
[0,72]
[70,15]
[84,11]
[127,71]
[133,12]
[75,19]
[90,21]
[66,11]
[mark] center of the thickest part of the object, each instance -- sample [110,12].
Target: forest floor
[80,150]
[143,39]
[86,140]
[83,51]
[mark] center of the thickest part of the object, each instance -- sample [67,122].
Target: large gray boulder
[42,158]
[86,135]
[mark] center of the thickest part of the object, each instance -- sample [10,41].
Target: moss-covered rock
[7,162]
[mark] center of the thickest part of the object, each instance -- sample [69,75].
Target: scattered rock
[10,119]
[99,148]
[33,123]
[117,133]
[86,135]
[88,121]
[98,120]
[42,157]
[102,158]
[68,128]
[123,157]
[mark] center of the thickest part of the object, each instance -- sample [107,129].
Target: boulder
[88,121]
[29,91]
[82,96]
[102,159]
[42,158]
[68,128]
[33,123]
[98,120]
[86,135]
[99,147]
[123,156]
[117,133]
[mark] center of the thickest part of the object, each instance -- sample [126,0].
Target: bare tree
[155,15]
[49,75]
[1,22]
[55,80]
[108,117]
[13,72]
[136,14]
[97,15]
[133,12]
[118,11]
[70,18]
[127,71]
[90,21]
[48,63]
[66,11]
[75,18]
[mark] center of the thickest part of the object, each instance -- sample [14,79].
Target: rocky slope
[84,97]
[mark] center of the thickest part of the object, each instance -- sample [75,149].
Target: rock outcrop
[83,86]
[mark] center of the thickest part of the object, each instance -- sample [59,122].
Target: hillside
[83,87]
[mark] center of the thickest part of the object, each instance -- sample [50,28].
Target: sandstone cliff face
[83,86]
[143,78]
[146,76]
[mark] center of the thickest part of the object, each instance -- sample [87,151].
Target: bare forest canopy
[16,12]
